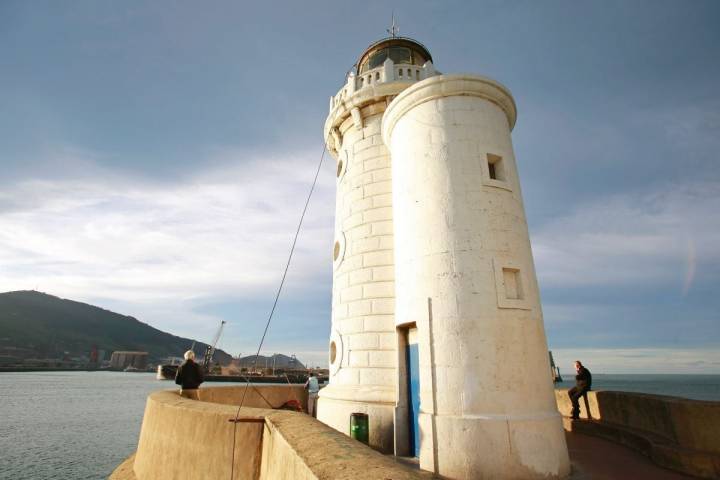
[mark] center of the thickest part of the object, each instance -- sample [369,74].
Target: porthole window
[335,353]
[338,250]
[341,165]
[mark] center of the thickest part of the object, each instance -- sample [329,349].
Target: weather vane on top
[393,30]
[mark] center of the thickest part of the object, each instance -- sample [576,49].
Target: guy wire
[277,297]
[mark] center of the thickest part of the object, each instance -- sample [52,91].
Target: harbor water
[81,425]
[70,425]
[697,387]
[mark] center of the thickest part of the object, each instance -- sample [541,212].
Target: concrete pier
[183,438]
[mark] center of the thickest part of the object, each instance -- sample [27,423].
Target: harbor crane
[210,351]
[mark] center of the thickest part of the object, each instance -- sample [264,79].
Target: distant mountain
[280,361]
[46,326]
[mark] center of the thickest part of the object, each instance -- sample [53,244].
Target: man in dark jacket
[583,384]
[189,376]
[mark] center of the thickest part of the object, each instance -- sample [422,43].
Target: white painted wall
[363,328]
[487,403]
[363,370]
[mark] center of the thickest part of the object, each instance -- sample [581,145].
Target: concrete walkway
[597,459]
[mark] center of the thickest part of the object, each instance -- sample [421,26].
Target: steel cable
[275,302]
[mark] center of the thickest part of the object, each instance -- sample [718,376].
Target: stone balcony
[388,72]
[374,85]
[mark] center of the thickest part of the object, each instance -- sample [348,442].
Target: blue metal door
[413,375]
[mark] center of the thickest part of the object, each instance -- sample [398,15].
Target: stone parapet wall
[258,396]
[182,438]
[690,423]
[677,433]
[297,447]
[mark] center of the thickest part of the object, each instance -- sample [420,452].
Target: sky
[155,157]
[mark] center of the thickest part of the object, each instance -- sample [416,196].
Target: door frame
[403,442]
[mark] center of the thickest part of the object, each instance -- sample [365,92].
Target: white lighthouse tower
[437,330]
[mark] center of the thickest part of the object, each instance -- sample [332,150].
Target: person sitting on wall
[583,384]
[313,387]
[189,376]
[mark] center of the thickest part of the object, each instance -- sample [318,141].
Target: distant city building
[129,359]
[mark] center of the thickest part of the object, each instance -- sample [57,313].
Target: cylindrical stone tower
[437,330]
[363,342]
[466,281]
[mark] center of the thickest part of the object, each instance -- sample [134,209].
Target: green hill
[277,360]
[46,326]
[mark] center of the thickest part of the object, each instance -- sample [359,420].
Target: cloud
[622,146]
[691,267]
[224,232]
[640,360]
[693,127]
[656,238]
[633,274]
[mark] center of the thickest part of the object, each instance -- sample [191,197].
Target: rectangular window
[496,168]
[513,285]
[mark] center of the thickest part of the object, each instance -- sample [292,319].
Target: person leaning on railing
[313,387]
[189,376]
[583,384]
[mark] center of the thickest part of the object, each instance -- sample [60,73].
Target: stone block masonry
[363,366]
[183,438]
[481,330]
[432,262]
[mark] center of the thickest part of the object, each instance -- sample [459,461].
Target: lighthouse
[437,331]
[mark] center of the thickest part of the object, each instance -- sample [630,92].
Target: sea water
[697,387]
[81,425]
[70,425]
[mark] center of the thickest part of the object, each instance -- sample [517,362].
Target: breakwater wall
[182,438]
[676,433]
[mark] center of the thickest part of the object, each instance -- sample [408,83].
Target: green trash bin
[359,427]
